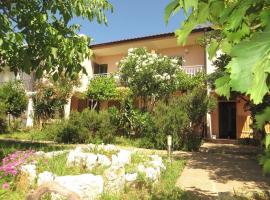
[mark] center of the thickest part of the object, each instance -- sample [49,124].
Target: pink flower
[5,185]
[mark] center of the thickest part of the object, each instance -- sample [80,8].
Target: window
[100,68]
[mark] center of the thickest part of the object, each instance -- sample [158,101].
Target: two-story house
[230,119]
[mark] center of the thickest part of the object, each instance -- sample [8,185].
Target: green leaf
[188,4]
[223,86]
[212,49]
[262,118]
[54,52]
[170,9]
[249,66]
[196,17]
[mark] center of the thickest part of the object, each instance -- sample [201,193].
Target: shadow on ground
[9,146]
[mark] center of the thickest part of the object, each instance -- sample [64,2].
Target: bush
[13,96]
[167,120]
[130,121]
[99,125]
[88,126]
[3,124]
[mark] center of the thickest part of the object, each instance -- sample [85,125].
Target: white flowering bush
[149,75]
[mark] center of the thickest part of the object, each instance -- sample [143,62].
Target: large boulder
[45,177]
[114,179]
[87,186]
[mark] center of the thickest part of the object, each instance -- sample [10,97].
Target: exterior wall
[111,61]
[242,120]
[193,55]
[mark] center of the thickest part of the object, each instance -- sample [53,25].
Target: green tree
[149,75]
[242,32]
[40,36]
[241,29]
[102,88]
[13,96]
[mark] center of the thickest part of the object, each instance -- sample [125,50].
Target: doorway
[227,120]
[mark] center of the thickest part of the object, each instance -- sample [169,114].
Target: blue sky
[132,18]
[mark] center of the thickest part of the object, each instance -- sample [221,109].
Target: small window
[100,69]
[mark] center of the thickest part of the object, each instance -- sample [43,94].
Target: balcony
[101,75]
[192,70]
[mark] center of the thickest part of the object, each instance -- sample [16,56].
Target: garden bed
[101,171]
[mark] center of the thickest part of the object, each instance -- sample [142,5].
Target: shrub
[13,96]
[3,124]
[168,120]
[88,126]
[98,125]
[130,121]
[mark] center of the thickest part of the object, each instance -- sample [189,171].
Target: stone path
[211,174]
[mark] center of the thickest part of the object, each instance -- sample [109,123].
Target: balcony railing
[192,70]
[101,75]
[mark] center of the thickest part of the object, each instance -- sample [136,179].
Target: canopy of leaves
[13,98]
[243,34]
[102,88]
[149,74]
[39,36]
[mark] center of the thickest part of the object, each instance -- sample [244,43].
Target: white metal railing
[192,70]
[101,75]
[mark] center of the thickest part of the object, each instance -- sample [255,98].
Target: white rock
[100,147]
[114,179]
[123,157]
[103,160]
[90,160]
[87,186]
[131,177]
[30,172]
[152,173]
[45,177]
[78,158]
[110,147]
[115,161]
[141,168]
[91,147]
[40,153]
